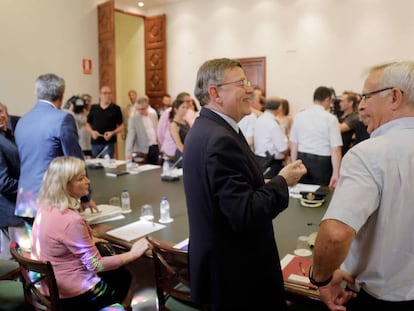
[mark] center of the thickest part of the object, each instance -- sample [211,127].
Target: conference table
[147,187]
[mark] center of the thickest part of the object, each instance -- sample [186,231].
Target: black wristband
[318,283]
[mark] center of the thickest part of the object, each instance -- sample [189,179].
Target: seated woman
[179,127]
[62,236]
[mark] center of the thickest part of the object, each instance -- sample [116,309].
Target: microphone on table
[176,163]
[171,177]
[102,151]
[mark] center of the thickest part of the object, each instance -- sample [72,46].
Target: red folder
[296,271]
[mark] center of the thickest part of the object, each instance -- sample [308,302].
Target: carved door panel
[155,59]
[106,39]
[255,69]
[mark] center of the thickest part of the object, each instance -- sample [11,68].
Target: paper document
[142,168]
[295,190]
[183,245]
[135,230]
[107,213]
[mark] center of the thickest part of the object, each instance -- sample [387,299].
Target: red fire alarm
[87,66]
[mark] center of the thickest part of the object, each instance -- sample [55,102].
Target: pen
[302,268]
[266,171]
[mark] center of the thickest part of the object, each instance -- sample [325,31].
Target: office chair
[171,276]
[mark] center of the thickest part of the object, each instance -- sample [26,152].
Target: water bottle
[165,166]
[107,160]
[129,164]
[165,211]
[125,202]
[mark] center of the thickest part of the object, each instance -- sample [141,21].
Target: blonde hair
[4,107]
[54,191]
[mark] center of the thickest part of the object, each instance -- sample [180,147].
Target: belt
[313,156]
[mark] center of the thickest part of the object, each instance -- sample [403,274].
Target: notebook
[107,213]
[116,171]
[183,245]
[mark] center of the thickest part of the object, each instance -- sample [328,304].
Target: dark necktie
[242,137]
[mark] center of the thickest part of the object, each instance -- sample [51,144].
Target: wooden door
[255,69]
[155,59]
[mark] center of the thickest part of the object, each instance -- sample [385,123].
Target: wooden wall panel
[106,39]
[155,59]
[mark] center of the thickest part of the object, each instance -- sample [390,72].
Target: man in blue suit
[233,257]
[42,134]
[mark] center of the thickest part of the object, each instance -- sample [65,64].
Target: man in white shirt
[248,123]
[141,136]
[315,138]
[365,237]
[270,142]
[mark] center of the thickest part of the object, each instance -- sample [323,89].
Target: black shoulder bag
[119,279]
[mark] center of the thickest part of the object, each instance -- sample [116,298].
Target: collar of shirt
[229,120]
[47,102]
[317,106]
[396,124]
[270,115]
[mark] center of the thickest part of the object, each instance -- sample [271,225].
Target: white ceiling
[148,3]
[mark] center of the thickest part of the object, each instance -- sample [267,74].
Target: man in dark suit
[12,122]
[9,173]
[233,257]
[42,134]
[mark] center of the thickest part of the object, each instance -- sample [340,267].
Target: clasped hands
[107,135]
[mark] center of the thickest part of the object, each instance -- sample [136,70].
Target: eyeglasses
[242,82]
[365,96]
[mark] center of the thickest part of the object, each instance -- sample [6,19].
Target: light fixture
[140,4]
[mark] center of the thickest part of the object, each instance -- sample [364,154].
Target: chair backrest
[171,272]
[33,273]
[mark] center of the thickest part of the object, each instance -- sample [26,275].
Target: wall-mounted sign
[87,66]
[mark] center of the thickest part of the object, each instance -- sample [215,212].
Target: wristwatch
[318,283]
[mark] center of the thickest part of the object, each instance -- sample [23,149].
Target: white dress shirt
[269,136]
[316,131]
